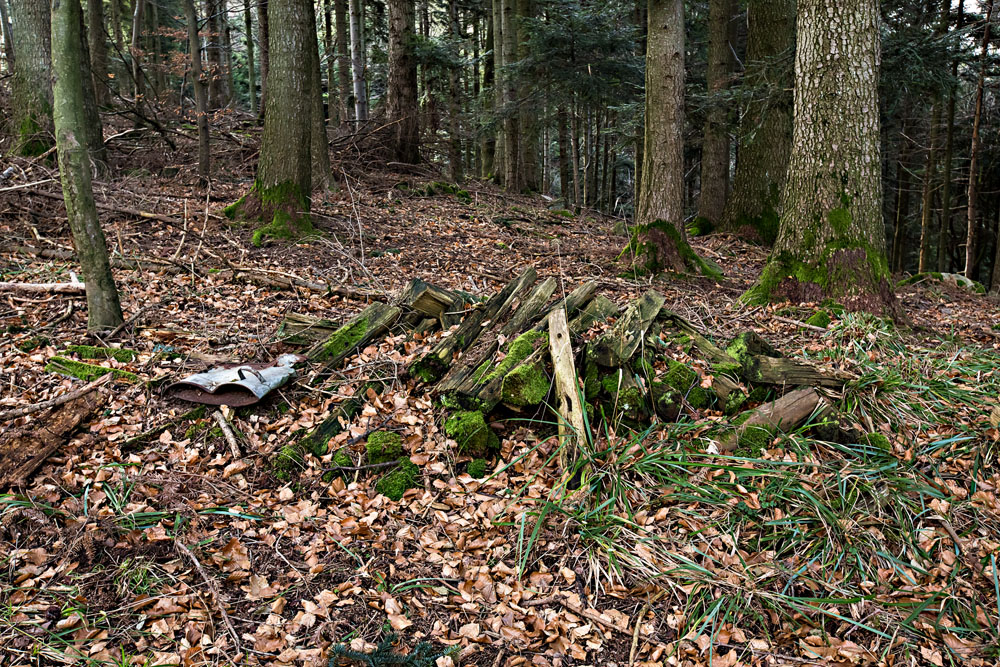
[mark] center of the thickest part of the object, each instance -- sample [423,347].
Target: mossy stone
[820,319]
[878,441]
[470,430]
[477,468]
[384,446]
[394,484]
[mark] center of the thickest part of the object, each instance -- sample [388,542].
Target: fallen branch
[215,592]
[804,325]
[57,401]
[227,431]
[44,288]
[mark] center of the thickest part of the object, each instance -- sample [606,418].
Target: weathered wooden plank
[371,323]
[758,427]
[432,301]
[300,329]
[617,346]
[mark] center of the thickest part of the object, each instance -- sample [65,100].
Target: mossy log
[617,346]
[768,370]
[433,365]
[371,323]
[432,301]
[600,309]
[757,428]
[463,376]
[87,372]
[94,352]
[299,329]
[579,298]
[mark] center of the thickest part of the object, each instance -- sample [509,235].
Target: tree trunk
[499,170]
[251,65]
[927,194]
[529,125]
[642,27]
[227,48]
[564,158]
[8,40]
[903,168]
[136,51]
[511,130]
[455,102]
[401,97]
[281,192]
[98,51]
[715,141]
[970,243]
[320,150]
[103,307]
[332,107]
[574,139]
[943,263]
[358,62]
[213,56]
[831,240]
[200,94]
[343,60]
[264,40]
[93,131]
[766,125]
[660,212]
[31,89]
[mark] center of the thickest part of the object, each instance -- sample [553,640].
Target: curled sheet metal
[236,385]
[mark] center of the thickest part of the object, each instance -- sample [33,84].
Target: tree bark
[217,97]
[973,190]
[831,239]
[333,109]
[455,102]
[98,51]
[401,97]
[529,125]
[320,150]
[200,94]
[343,60]
[93,131]
[931,164]
[489,141]
[564,157]
[251,65]
[103,307]
[8,40]
[499,170]
[264,40]
[715,141]
[227,48]
[31,89]
[135,50]
[511,130]
[281,192]
[358,62]
[766,124]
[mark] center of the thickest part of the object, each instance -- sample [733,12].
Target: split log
[44,288]
[24,451]
[433,365]
[600,309]
[617,346]
[758,427]
[299,329]
[789,372]
[570,407]
[463,376]
[574,301]
[371,323]
[432,301]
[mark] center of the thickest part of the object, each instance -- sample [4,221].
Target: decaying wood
[618,345]
[44,288]
[709,350]
[784,414]
[790,372]
[227,432]
[57,401]
[570,407]
[24,451]
[299,329]
[371,323]
[435,363]
[529,308]
[432,301]
[574,301]
[600,309]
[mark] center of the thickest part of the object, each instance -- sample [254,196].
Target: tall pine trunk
[31,89]
[264,39]
[766,123]
[358,62]
[511,129]
[200,94]
[98,51]
[831,240]
[103,307]
[135,48]
[455,102]
[251,64]
[329,44]
[529,126]
[401,98]
[496,16]
[343,60]
[8,39]
[715,141]
[973,191]
[320,149]
[283,187]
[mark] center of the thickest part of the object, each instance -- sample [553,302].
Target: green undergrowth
[795,529]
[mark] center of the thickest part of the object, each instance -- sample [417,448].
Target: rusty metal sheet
[236,385]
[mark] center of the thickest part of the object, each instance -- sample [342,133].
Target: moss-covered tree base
[761,229]
[856,277]
[659,246]
[283,209]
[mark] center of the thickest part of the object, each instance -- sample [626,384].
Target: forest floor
[170,550]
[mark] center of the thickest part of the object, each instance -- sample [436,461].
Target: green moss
[819,319]
[734,402]
[473,435]
[700,226]
[32,343]
[426,370]
[685,380]
[342,339]
[384,446]
[93,352]
[753,441]
[518,350]
[526,385]
[233,210]
[288,461]
[728,368]
[394,484]
[86,372]
[840,221]
[283,207]
[878,441]
[759,395]
[477,468]
[591,376]
[648,260]
[562,213]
